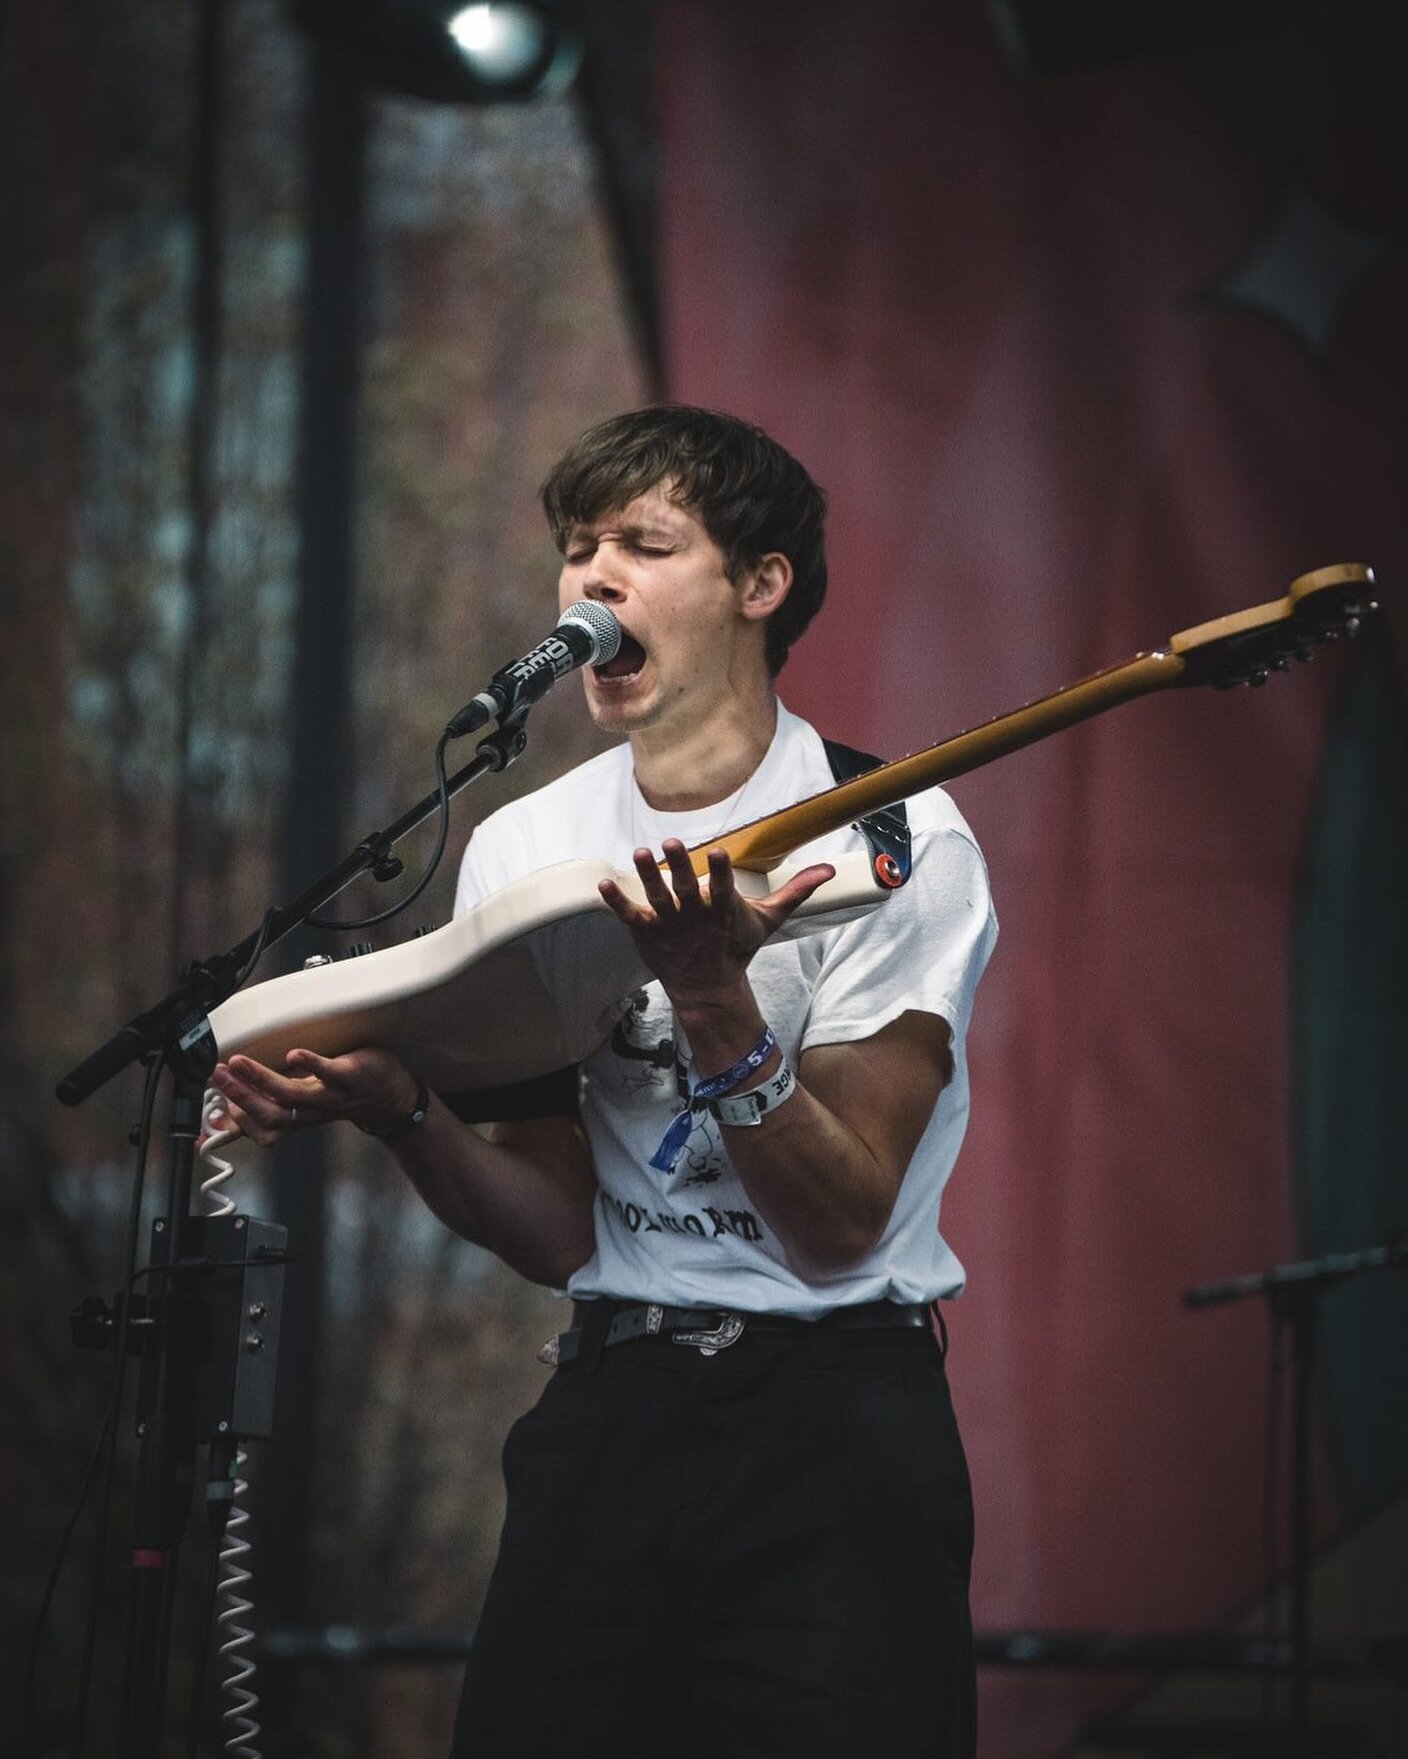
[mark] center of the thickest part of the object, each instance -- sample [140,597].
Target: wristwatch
[415,1117]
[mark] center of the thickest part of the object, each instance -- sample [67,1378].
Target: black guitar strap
[886,831]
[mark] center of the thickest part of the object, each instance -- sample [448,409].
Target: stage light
[515,50]
[494,51]
[500,43]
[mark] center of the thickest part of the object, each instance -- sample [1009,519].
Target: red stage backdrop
[1082,360]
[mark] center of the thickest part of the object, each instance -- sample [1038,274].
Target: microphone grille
[599,623]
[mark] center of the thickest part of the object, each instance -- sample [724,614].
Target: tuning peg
[1330,634]
[1282,663]
[1351,626]
[1259,676]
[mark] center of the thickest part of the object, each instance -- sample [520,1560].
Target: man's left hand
[697,942]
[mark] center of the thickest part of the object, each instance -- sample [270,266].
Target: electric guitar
[535,977]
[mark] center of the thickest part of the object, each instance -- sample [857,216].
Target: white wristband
[747,1109]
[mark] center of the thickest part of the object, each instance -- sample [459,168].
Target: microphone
[587,634]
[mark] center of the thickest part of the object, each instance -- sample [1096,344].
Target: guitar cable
[442,790]
[225,1487]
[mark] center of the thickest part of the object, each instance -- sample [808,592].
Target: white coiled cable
[238,1715]
[221,1202]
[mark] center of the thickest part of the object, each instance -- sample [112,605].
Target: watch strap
[412,1119]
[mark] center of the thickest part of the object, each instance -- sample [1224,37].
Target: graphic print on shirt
[644,1040]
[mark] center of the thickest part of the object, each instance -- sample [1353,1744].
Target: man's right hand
[367,1087]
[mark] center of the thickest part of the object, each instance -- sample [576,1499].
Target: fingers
[263,1103]
[622,907]
[662,901]
[721,887]
[780,905]
[683,878]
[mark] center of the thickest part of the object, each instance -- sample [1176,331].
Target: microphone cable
[442,790]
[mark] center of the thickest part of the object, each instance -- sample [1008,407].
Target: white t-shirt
[693,1237]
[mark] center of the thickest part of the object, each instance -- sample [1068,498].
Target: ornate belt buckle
[708,1343]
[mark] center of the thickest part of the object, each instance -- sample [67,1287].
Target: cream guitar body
[530,980]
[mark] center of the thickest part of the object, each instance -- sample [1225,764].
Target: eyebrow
[635,529]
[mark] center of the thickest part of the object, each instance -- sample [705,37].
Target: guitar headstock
[1324,606]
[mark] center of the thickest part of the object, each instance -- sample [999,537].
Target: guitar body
[532,979]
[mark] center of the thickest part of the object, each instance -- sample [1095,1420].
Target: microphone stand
[209,981]
[1292,1292]
[176,1030]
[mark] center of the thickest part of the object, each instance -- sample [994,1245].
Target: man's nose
[606,577]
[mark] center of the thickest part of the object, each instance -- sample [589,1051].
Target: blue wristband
[674,1139]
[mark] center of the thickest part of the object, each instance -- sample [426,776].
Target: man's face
[686,632]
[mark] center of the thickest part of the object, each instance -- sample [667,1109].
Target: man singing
[738,1519]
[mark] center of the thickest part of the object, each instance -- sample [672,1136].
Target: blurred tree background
[147,744]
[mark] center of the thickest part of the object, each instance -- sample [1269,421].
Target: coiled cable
[235,1551]
[238,1715]
[220,1201]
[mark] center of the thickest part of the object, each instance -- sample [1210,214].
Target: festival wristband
[674,1139]
[747,1109]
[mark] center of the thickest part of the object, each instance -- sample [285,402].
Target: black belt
[711,1329]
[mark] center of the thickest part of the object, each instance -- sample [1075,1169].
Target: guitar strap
[887,831]
[555,1095]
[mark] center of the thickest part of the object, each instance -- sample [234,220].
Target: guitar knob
[424,929]
[314,960]
[358,948]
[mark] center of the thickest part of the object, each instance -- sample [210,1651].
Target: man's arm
[525,1191]
[825,1167]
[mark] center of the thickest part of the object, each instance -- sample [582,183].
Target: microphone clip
[587,634]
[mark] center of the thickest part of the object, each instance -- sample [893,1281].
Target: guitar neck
[763,844]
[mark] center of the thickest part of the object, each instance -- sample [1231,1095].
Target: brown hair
[751,496]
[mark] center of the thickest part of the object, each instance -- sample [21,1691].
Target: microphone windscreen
[600,624]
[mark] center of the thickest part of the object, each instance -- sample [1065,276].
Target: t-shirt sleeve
[494,857]
[925,948]
[473,885]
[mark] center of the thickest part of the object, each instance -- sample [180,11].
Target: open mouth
[626,662]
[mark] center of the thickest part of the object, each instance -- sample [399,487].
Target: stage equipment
[1292,1293]
[502,51]
[207,1336]
[587,634]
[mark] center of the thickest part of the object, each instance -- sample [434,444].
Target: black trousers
[762,1554]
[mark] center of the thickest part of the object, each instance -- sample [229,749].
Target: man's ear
[766,585]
